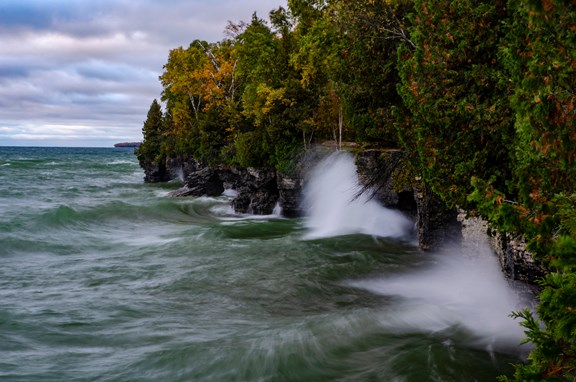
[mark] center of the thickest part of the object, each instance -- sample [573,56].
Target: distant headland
[128,144]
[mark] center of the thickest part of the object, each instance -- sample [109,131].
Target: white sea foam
[230,193]
[180,173]
[455,291]
[234,217]
[463,291]
[334,208]
[120,161]
[277,210]
[222,210]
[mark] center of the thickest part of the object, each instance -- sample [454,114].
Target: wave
[111,226]
[456,292]
[25,163]
[334,207]
[121,161]
[165,210]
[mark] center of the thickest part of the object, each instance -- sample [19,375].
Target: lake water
[105,278]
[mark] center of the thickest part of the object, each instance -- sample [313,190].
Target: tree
[371,33]
[454,88]
[347,53]
[202,91]
[539,54]
[152,132]
[274,102]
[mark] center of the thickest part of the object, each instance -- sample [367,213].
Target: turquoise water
[105,278]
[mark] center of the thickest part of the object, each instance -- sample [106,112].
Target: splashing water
[180,173]
[335,209]
[458,291]
[454,291]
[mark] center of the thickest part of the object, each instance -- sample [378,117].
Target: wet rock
[205,181]
[155,172]
[289,194]
[516,261]
[257,191]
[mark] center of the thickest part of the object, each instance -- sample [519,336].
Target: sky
[84,72]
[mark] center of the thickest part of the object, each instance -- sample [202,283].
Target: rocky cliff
[259,190]
[382,173]
[437,225]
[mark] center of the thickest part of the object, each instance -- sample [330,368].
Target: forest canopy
[479,94]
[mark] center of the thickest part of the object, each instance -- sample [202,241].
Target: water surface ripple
[104,278]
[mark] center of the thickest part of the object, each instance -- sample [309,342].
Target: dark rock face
[256,187]
[168,169]
[155,172]
[205,181]
[436,224]
[181,168]
[257,191]
[380,172]
[289,194]
[516,261]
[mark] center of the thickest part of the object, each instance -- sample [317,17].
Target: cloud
[76,69]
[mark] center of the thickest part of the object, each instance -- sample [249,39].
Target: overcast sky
[84,72]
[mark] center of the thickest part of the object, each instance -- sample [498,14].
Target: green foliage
[553,332]
[552,328]
[323,70]
[275,104]
[451,84]
[566,214]
[371,33]
[490,91]
[152,131]
[252,149]
[347,55]
[256,49]
[539,54]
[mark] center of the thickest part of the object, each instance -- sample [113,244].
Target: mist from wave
[456,290]
[334,205]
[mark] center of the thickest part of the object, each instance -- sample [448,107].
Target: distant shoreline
[128,144]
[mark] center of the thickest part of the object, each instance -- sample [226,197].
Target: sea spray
[180,173]
[458,292]
[334,206]
[455,291]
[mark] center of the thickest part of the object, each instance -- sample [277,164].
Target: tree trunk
[340,126]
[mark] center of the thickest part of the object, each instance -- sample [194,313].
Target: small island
[128,144]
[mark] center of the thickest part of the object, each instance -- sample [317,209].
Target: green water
[104,278]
